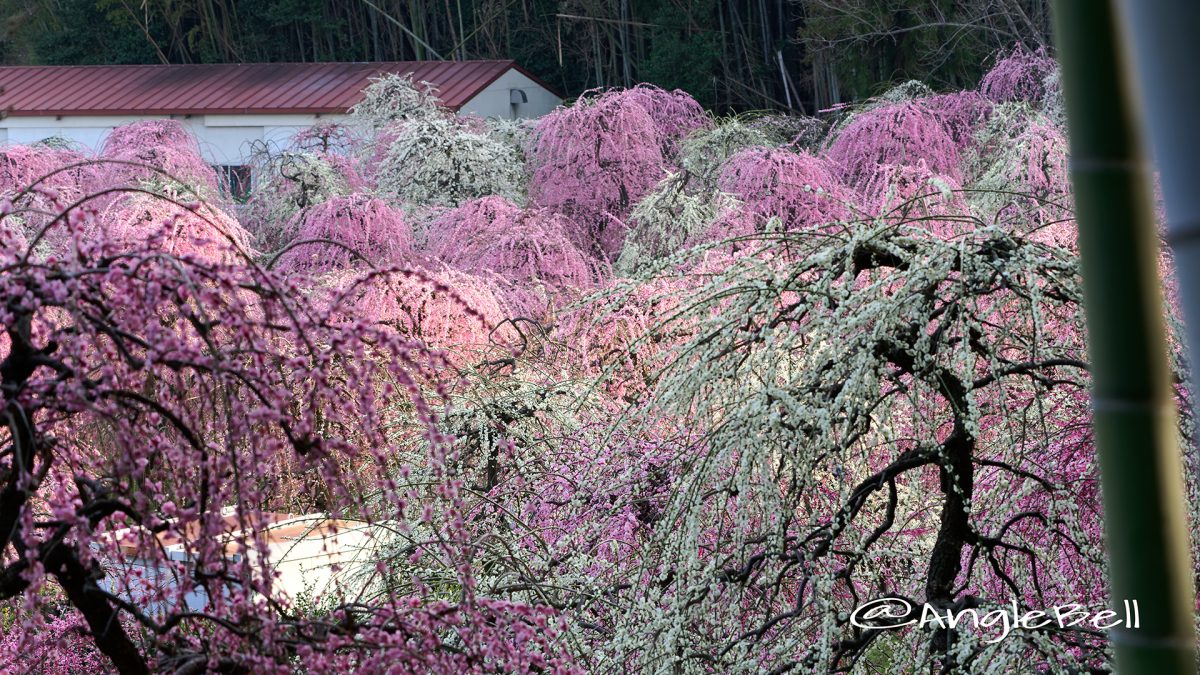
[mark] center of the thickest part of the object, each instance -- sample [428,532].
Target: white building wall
[88,130]
[231,139]
[223,139]
[90,137]
[495,99]
[228,145]
[303,559]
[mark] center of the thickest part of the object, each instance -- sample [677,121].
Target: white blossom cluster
[393,98]
[438,160]
[668,219]
[703,153]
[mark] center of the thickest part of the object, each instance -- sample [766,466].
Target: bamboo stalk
[1165,52]
[1135,420]
[419,43]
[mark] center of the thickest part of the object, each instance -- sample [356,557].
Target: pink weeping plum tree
[21,166]
[802,190]
[38,181]
[457,312]
[913,196]
[1020,75]
[593,161]
[62,644]
[531,248]
[701,459]
[898,133]
[344,231]
[11,237]
[165,145]
[615,341]
[962,113]
[195,230]
[675,113]
[145,394]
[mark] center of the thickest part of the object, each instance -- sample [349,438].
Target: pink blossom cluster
[593,161]
[176,411]
[165,145]
[58,646]
[899,133]
[800,189]
[335,234]
[1020,75]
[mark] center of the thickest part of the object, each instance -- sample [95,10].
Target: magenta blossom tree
[593,161]
[962,113]
[530,248]
[709,391]
[899,133]
[675,113]
[343,231]
[150,396]
[1020,75]
[802,190]
[163,144]
[44,168]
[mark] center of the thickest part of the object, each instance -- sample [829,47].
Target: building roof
[230,89]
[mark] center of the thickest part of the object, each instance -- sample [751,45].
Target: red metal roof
[230,89]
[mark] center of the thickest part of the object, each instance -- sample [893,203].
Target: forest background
[732,55]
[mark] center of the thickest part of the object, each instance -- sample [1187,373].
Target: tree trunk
[103,621]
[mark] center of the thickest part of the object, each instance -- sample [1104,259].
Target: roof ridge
[327,87]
